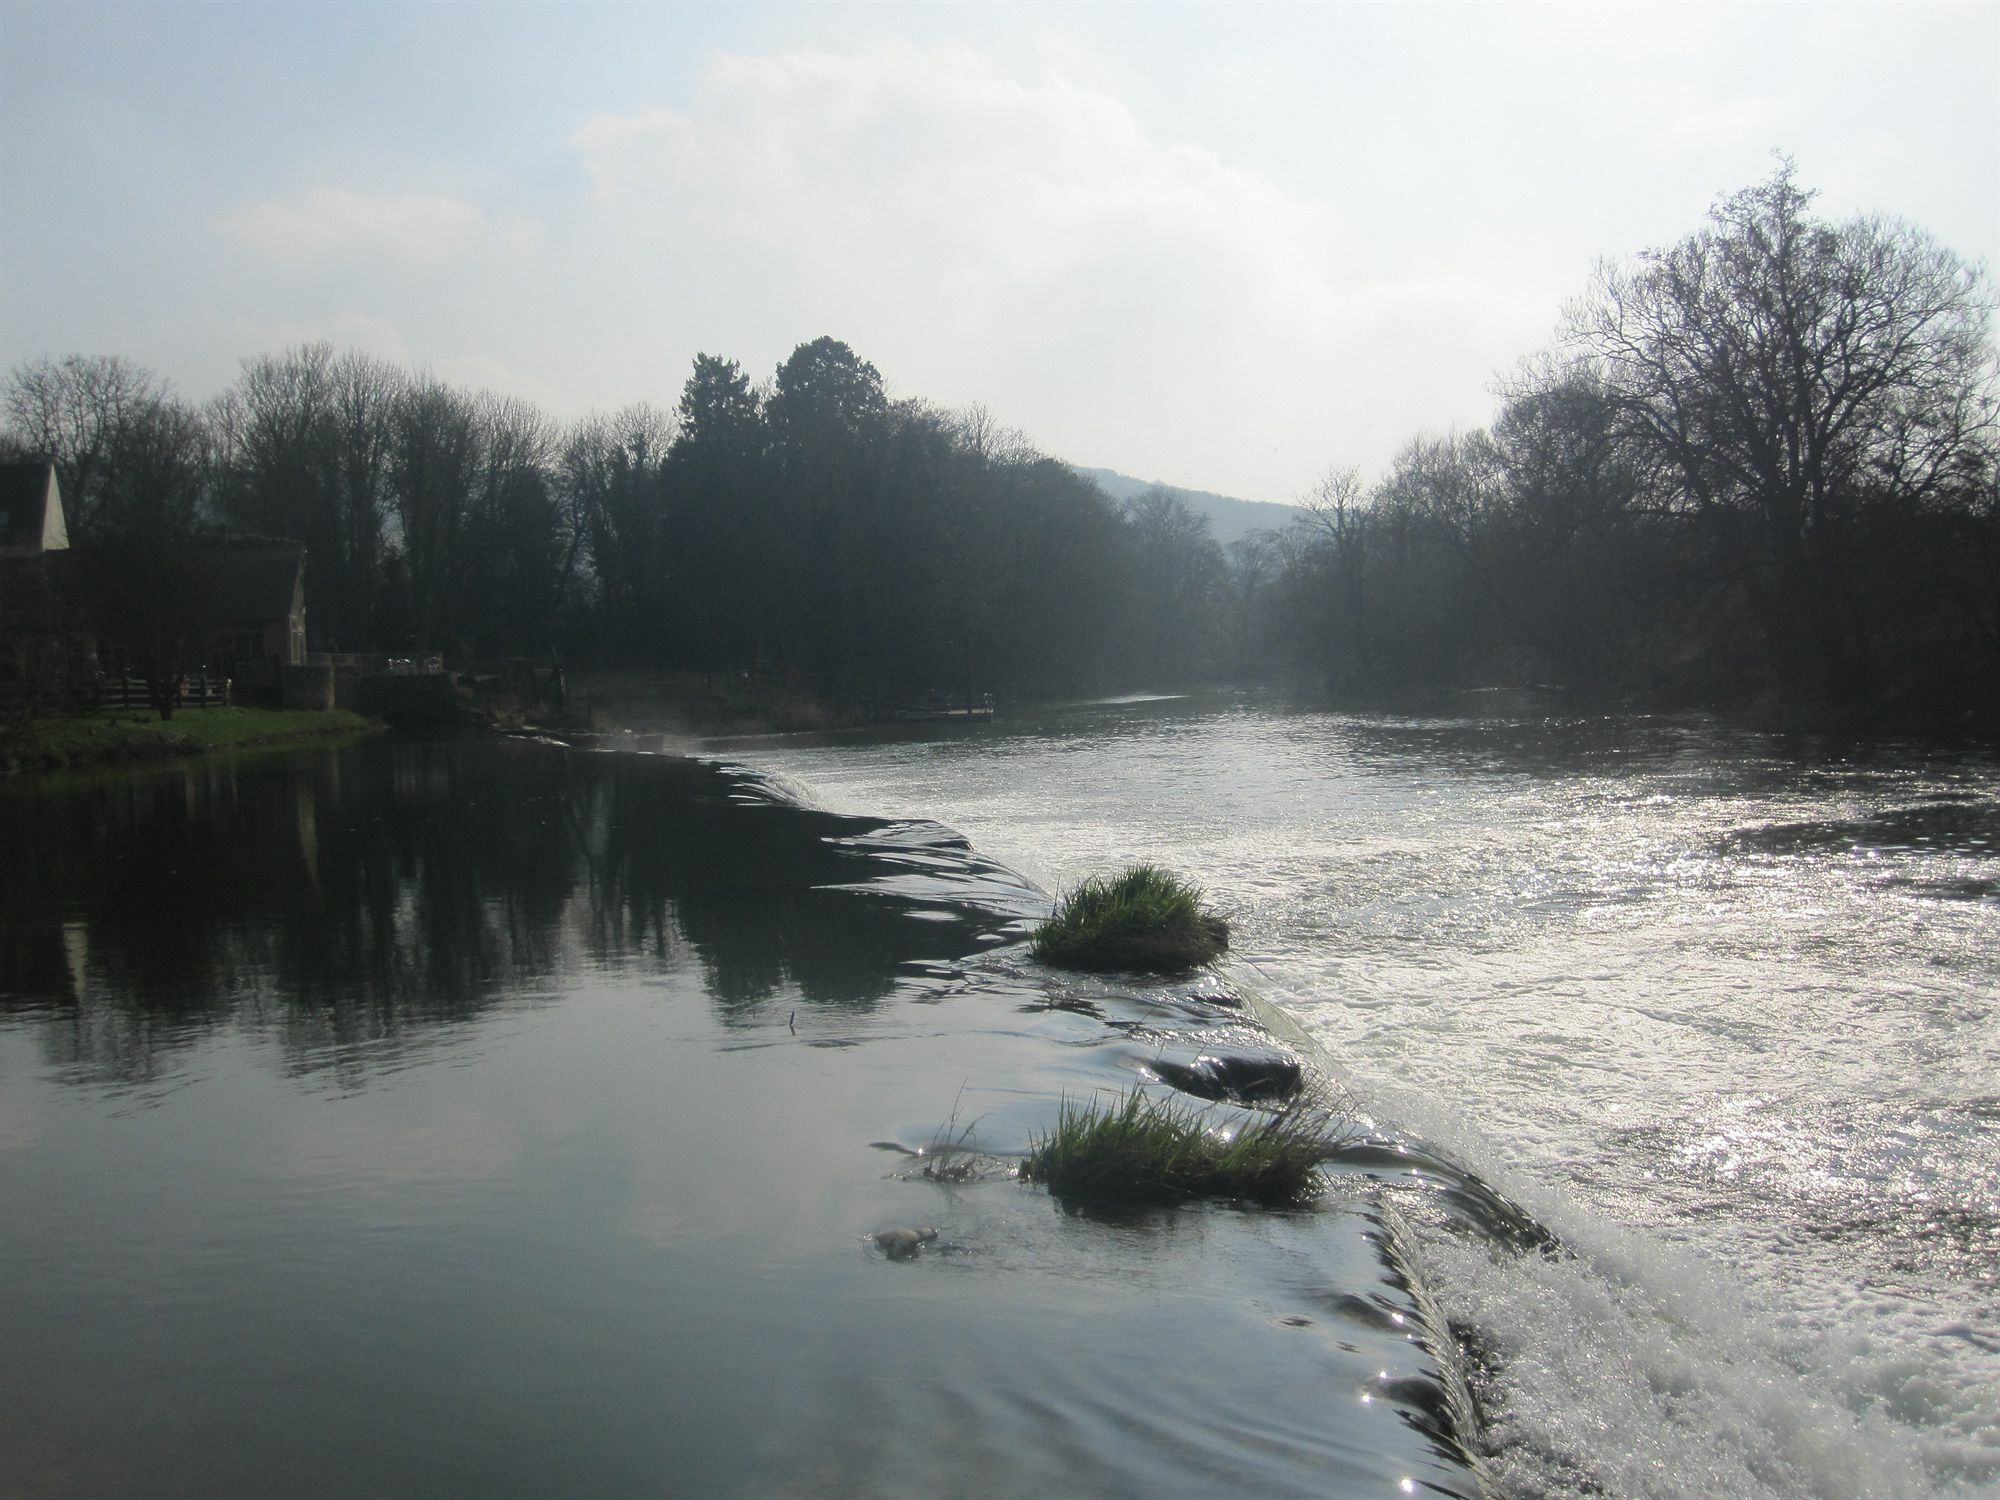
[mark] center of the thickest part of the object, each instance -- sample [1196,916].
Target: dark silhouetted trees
[435,458]
[1806,391]
[70,411]
[304,447]
[1760,465]
[151,577]
[1178,596]
[613,475]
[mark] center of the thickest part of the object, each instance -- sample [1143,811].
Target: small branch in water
[792,1023]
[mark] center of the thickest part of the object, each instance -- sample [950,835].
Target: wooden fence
[198,690]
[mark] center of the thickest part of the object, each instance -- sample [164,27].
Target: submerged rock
[902,1243]
[1245,1077]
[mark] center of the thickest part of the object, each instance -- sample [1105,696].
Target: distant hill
[1229,518]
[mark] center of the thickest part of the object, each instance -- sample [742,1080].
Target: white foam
[1747,1082]
[1635,1367]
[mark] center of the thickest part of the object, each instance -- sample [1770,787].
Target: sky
[1228,247]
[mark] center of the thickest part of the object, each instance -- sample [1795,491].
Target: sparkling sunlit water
[1719,1007]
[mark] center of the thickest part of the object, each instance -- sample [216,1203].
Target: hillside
[1229,518]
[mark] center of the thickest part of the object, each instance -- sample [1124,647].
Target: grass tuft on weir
[1142,1150]
[1146,920]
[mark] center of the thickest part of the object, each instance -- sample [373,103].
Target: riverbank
[698,705]
[60,742]
[1905,717]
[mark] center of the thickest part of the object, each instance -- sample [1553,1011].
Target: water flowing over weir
[471,1117]
[1717,1007]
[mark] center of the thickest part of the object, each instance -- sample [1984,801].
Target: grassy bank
[54,742]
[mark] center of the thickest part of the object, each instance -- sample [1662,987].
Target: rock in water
[902,1244]
[1250,1076]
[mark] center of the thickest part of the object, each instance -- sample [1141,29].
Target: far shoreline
[46,744]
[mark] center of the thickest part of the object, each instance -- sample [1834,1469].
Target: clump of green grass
[1146,920]
[1141,1150]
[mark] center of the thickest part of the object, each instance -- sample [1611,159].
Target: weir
[519,1120]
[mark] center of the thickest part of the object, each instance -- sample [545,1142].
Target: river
[1719,1007]
[468,1116]
[484,1117]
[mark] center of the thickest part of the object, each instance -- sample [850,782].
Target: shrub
[1141,1150]
[1146,920]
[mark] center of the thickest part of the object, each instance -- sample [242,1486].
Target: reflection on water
[333,901]
[412,1119]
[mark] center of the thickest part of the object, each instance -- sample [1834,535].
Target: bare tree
[1179,572]
[364,395]
[613,485]
[979,433]
[514,539]
[1337,515]
[434,459]
[148,565]
[1790,375]
[70,411]
[304,441]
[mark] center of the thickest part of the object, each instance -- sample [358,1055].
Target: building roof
[31,513]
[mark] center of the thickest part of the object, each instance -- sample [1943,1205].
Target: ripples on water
[464,1117]
[1719,1006]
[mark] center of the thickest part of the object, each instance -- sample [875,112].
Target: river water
[471,1117]
[1718,1007]
[478,1117]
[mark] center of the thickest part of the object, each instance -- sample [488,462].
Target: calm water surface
[1719,1007]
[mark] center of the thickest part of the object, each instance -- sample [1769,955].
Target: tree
[722,516]
[1337,520]
[613,476]
[827,416]
[1060,559]
[1793,378]
[1589,575]
[824,396]
[148,564]
[514,550]
[718,412]
[435,451]
[304,439]
[70,411]
[1179,575]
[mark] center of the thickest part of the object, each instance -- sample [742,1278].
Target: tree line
[1759,463]
[807,524]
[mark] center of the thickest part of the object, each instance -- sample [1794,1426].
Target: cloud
[1727,123]
[335,223]
[900,162]
[1021,241]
